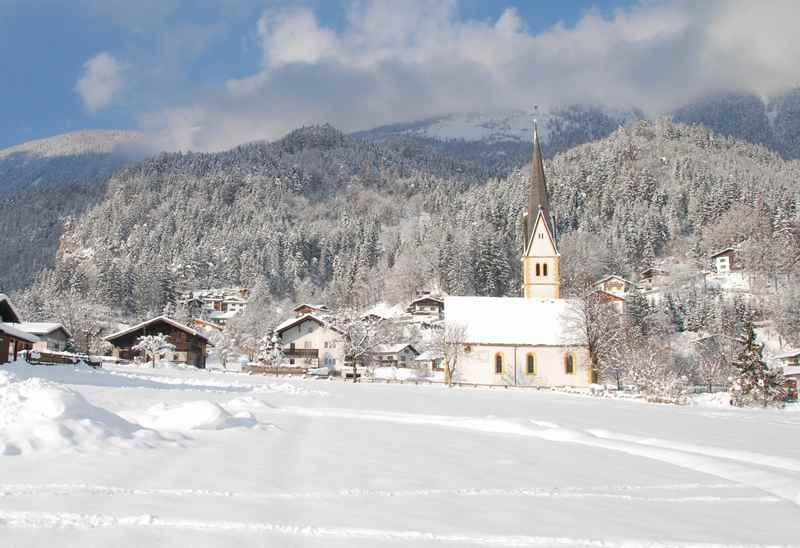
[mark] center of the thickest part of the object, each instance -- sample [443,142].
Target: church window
[544,269]
[530,364]
[538,269]
[498,363]
[569,363]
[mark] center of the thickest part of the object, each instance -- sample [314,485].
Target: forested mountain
[774,123]
[502,140]
[319,214]
[81,157]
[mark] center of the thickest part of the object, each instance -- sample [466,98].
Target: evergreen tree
[754,382]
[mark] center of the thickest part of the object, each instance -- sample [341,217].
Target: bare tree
[451,343]
[361,335]
[713,357]
[593,321]
[154,346]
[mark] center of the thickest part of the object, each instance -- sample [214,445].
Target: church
[528,340]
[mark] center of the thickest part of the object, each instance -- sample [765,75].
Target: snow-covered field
[135,457]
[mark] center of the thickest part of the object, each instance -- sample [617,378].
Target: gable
[542,242]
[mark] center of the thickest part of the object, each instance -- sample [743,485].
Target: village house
[309,341]
[724,261]
[305,308]
[393,355]
[527,340]
[430,360]
[52,336]
[226,299]
[614,285]
[190,345]
[13,340]
[427,306]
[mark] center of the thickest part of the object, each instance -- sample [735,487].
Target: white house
[394,355]
[724,260]
[309,341]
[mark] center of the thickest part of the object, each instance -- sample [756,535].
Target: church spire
[537,193]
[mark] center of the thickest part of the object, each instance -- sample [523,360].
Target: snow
[395,373]
[39,328]
[183,457]
[15,331]
[511,320]
[170,321]
[76,143]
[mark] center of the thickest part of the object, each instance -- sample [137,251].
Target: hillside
[322,215]
[502,140]
[80,157]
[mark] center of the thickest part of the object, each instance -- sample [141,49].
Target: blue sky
[206,75]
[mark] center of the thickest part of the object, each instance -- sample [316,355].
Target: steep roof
[7,311]
[513,320]
[42,328]
[392,348]
[291,322]
[794,353]
[726,250]
[17,333]
[164,319]
[537,191]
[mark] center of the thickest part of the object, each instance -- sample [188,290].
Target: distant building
[309,341]
[13,340]
[393,355]
[305,308]
[724,261]
[430,360]
[614,285]
[52,336]
[652,278]
[190,345]
[427,306]
[203,302]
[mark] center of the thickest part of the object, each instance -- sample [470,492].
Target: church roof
[537,192]
[513,320]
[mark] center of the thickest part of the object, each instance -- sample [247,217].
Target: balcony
[311,353]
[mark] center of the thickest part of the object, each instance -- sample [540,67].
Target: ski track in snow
[66,520]
[607,492]
[740,467]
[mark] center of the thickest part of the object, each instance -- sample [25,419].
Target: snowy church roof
[512,320]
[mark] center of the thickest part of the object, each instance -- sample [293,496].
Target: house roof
[5,302]
[17,333]
[427,298]
[311,306]
[392,348]
[291,322]
[42,328]
[791,371]
[615,276]
[793,353]
[652,270]
[430,355]
[219,315]
[164,319]
[726,250]
[513,320]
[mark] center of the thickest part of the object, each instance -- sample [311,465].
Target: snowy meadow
[169,457]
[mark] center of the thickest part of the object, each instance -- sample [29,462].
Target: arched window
[544,269]
[569,363]
[538,271]
[530,364]
[498,363]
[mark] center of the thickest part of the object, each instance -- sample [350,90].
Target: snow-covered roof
[392,348]
[42,328]
[429,355]
[385,311]
[311,306]
[791,371]
[219,315]
[5,300]
[726,250]
[165,319]
[427,298]
[613,276]
[291,322]
[16,332]
[794,353]
[512,320]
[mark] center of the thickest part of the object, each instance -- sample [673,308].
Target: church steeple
[540,260]
[537,191]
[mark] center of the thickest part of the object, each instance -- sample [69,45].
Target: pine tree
[754,382]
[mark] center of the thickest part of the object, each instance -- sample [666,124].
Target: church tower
[540,259]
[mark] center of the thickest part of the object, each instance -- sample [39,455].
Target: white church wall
[478,366]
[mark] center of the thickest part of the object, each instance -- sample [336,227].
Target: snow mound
[193,415]
[395,373]
[287,388]
[37,415]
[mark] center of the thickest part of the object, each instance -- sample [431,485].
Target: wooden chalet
[13,340]
[190,345]
[52,335]
[394,355]
[304,308]
[428,306]
[724,260]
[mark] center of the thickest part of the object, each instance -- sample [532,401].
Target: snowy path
[333,464]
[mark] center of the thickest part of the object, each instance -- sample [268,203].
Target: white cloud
[394,61]
[101,80]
